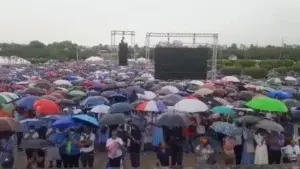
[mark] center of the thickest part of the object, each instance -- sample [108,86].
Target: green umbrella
[13,96]
[223,110]
[5,99]
[8,108]
[76,93]
[81,88]
[267,104]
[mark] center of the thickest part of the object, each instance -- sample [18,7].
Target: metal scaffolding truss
[214,36]
[115,33]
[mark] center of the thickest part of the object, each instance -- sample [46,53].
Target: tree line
[37,51]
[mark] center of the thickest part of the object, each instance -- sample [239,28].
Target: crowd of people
[209,125]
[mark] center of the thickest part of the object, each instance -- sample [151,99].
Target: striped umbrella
[152,106]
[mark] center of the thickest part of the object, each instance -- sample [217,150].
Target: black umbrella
[211,102]
[108,93]
[245,95]
[123,107]
[172,120]
[135,89]
[248,119]
[291,103]
[112,119]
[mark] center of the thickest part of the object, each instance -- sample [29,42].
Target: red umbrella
[46,107]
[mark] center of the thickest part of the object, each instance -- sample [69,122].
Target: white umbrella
[100,109]
[172,89]
[148,95]
[196,82]
[62,82]
[230,79]
[190,106]
[290,78]
[274,81]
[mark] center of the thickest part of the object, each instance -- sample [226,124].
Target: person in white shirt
[87,141]
[31,153]
[114,147]
[291,151]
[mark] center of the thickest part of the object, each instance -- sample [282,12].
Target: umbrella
[152,106]
[76,93]
[224,102]
[65,102]
[148,95]
[27,102]
[46,107]
[5,99]
[49,97]
[226,128]
[117,98]
[289,90]
[43,84]
[211,102]
[62,82]
[51,117]
[196,82]
[13,96]
[8,108]
[135,89]
[269,125]
[64,122]
[108,93]
[171,120]
[124,108]
[86,119]
[219,93]
[100,109]
[164,92]
[291,103]
[34,91]
[112,119]
[172,89]
[290,78]
[36,123]
[203,92]
[8,126]
[223,110]
[190,106]
[278,94]
[245,95]
[138,123]
[248,119]
[239,103]
[93,101]
[230,79]
[267,104]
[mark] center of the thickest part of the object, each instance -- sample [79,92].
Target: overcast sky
[89,22]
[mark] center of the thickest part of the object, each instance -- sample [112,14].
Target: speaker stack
[123,54]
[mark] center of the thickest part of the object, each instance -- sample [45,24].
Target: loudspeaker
[123,54]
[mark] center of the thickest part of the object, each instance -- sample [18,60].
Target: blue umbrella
[278,94]
[86,119]
[65,122]
[27,102]
[93,101]
[36,123]
[226,128]
[123,107]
